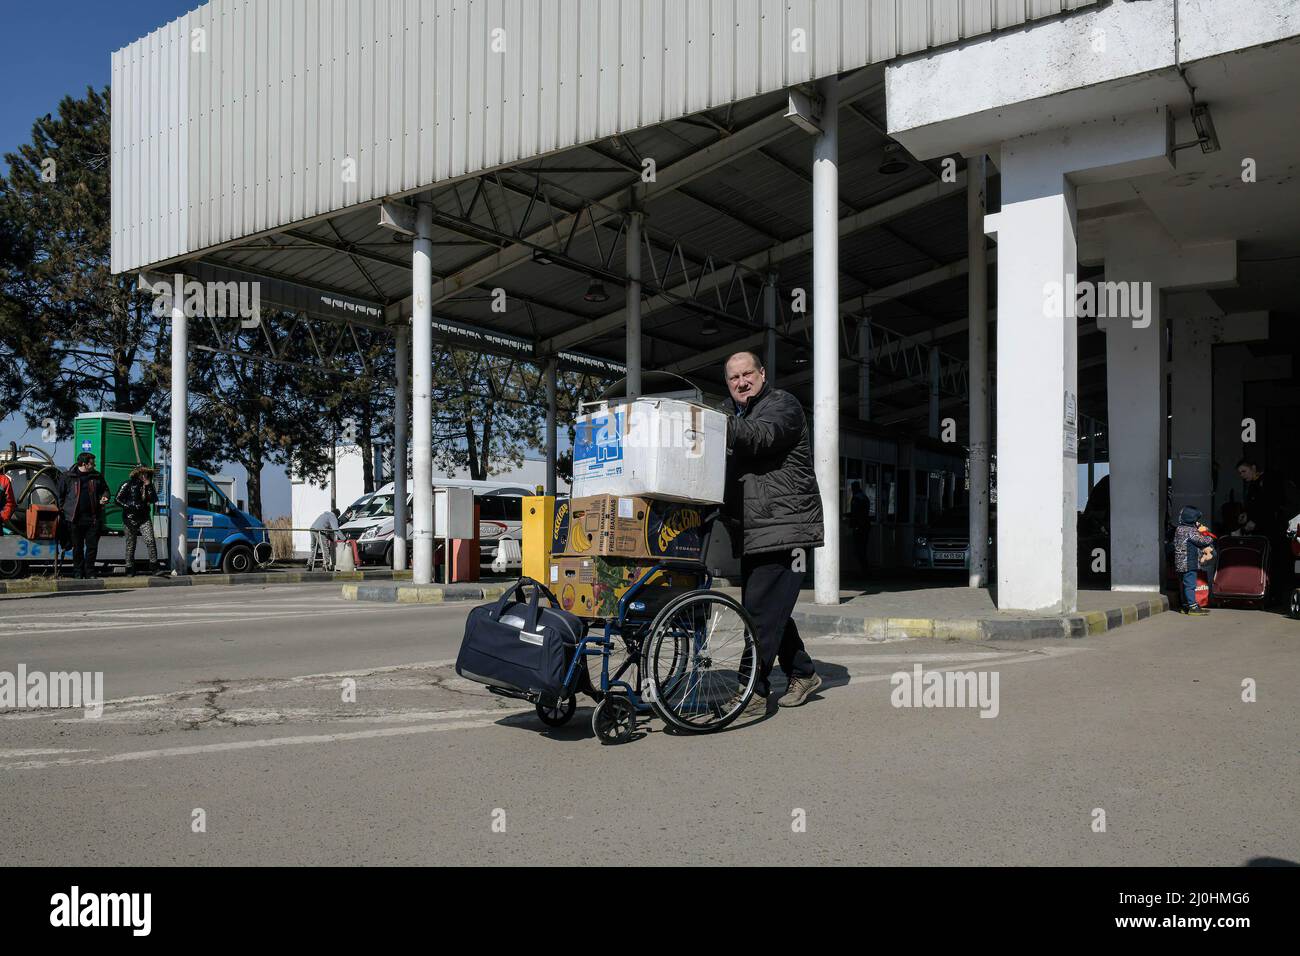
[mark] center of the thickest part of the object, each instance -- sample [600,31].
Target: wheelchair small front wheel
[614,720]
[701,661]
[557,711]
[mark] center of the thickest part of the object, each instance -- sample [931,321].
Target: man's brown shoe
[800,689]
[757,706]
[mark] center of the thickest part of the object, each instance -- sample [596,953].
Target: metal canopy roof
[731,199]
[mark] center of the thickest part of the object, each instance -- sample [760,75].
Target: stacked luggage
[647,474]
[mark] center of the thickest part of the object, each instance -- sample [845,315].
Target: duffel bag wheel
[556,712]
[614,720]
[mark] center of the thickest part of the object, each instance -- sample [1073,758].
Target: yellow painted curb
[958,630]
[1129,614]
[909,626]
[349,592]
[1096,621]
[419,595]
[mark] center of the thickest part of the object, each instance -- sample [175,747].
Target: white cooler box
[653,448]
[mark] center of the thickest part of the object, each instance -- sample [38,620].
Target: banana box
[611,526]
[592,586]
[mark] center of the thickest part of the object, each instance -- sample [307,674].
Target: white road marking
[249,745]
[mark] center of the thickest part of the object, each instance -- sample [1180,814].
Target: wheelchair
[692,660]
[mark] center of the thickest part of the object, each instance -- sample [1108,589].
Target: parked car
[944,545]
[370,522]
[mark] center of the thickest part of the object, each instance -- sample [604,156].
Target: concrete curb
[394,593]
[47,586]
[829,624]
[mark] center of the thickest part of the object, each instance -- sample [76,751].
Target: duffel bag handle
[538,589]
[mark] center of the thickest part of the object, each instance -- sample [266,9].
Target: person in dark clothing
[860,524]
[136,496]
[773,506]
[1264,513]
[1190,539]
[83,496]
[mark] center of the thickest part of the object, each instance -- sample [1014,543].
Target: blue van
[230,539]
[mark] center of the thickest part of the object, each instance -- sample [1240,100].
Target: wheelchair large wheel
[700,664]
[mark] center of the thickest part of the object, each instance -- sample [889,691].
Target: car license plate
[950,556]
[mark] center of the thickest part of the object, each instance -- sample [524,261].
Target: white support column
[422,393]
[1142,263]
[552,368]
[177,511]
[977,300]
[1135,377]
[400,442]
[826,341]
[634,303]
[864,369]
[1036,381]
[934,392]
[769,327]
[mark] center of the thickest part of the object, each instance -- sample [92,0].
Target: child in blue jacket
[1190,537]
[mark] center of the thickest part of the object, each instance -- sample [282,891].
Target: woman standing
[136,496]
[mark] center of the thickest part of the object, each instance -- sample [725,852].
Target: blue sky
[56,48]
[59,47]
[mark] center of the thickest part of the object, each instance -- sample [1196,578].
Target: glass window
[199,494]
[871,478]
[889,492]
[903,506]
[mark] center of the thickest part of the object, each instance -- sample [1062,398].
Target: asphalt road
[231,701]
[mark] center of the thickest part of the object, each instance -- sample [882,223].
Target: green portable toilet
[119,442]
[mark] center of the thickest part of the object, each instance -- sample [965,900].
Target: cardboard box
[593,586]
[651,447]
[611,526]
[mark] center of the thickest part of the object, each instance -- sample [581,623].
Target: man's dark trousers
[85,546]
[769,590]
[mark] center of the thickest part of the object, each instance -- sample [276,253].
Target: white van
[370,522]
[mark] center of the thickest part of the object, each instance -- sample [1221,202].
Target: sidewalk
[893,611]
[886,611]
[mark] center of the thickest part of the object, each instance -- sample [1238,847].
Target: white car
[500,527]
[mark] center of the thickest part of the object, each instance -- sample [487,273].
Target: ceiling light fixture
[894,160]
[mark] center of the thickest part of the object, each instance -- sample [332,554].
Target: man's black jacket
[82,489]
[771,487]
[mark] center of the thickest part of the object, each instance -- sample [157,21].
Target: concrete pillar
[1037,379]
[422,394]
[826,340]
[400,414]
[1143,263]
[1193,414]
[177,510]
[977,298]
[552,369]
[934,393]
[634,303]
[1135,385]
[864,369]
[769,327]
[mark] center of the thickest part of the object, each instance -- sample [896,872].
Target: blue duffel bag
[521,645]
